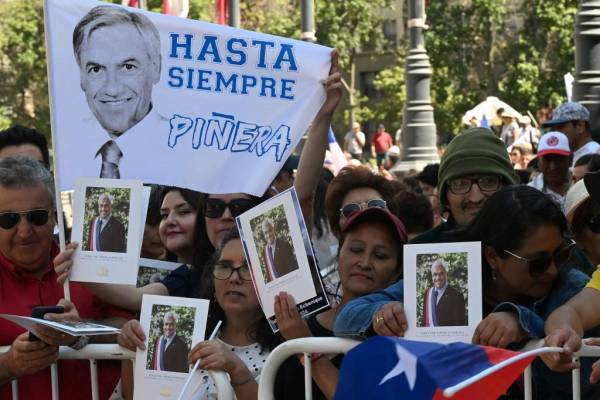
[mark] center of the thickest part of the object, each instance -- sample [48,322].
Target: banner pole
[57,194]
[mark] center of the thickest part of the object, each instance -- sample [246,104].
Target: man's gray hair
[170,315]
[103,16]
[439,263]
[105,196]
[266,222]
[22,172]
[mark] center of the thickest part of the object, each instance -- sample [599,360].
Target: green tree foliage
[543,53]
[24,90]
[120,208]
[481,48]
[457,277]
[186,316]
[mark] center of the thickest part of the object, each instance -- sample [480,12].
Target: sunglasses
[594,224]
[216,207]
[351,208]
[9,220]
[539,265]
[224,271]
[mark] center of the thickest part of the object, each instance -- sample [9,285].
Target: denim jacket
[354,320]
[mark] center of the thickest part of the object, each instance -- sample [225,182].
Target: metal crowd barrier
[328,345]
[332,345]
[94,352]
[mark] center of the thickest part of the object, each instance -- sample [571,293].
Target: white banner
[167,100]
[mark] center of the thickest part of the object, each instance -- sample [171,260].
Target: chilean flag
[335,156]
[393,368]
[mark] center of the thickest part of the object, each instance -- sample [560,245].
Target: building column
[586,87]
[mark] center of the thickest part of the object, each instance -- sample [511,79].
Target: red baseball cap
[554,143]
[380,215]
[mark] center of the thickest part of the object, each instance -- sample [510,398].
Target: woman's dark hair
[508,217]
[320,220]
[193,198]
[414,210]
[591,161]
[260,331]
[586,210]
[347,180]
[154,203]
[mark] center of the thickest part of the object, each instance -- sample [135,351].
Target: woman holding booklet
[245,339]
[526,272]
[370,259]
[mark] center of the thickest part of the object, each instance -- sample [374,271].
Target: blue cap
[568,112]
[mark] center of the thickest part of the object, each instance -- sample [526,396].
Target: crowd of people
[533,201]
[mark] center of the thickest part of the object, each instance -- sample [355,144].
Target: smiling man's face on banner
[117,75]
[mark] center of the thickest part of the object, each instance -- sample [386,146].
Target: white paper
[191,314]
[230,128]
[462,262]
[72,328]
[293,257]
[114,259]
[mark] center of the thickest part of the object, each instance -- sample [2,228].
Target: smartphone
[40,311]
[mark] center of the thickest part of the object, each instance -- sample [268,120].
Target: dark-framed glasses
[539,265]
[9,220]
[485,184]
[348,209]
[216,207]
[224,271]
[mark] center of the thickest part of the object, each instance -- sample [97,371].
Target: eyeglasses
[352,208]
[224,271]
[594,224]
[9,220]
[560,257]
[464,185]
[216,207]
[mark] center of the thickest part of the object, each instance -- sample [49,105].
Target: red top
[382,142]
[19,293]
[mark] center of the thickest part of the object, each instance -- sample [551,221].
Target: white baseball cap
[554,143]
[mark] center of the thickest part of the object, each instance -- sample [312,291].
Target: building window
[366,84]
[390,34]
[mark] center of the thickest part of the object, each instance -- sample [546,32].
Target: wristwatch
[80,343]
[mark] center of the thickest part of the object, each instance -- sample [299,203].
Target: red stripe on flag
[495,385]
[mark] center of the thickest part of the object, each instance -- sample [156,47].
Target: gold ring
[379,319]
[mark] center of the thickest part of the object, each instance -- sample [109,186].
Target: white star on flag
[407,364]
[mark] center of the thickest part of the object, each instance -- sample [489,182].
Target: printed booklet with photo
[74,328]
[172,325]
[108,224]
[280,255]
[442,291]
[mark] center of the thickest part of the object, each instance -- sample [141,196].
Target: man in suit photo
[279,254]
[106,232]
[443,305]
[118,55]
[170,350]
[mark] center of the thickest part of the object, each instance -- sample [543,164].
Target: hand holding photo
[442,291]
[108,222]
[280,255]
[171,325]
